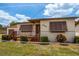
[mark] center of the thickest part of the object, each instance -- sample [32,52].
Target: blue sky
[20,12]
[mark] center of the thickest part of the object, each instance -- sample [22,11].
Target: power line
[16,6]
[39,11]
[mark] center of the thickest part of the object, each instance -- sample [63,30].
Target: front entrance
[38,32]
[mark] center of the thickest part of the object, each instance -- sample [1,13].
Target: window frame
[63,23]
[27,29]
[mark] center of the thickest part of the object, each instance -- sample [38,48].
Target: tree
[13,23]
[1,26]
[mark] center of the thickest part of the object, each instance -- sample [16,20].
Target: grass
[18,49]
[0,36]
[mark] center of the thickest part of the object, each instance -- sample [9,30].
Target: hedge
[44,40]
[6,38]
[76,39]
[23,39]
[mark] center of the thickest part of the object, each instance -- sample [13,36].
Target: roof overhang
[38,20]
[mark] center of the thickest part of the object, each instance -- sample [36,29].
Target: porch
[31,30]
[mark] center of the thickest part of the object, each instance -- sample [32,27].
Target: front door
[38,32]
[36,38]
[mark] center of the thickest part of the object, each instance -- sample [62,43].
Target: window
[26,28]
[58,26]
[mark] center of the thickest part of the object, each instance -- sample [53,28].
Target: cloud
[9,18]
[61,9]
[77,13]
[6,16]
[22,18]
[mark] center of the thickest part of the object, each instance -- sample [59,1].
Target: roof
[52,18]
[38,20]
[22,22]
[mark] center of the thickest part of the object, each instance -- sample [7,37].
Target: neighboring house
[49,27]
[77,30]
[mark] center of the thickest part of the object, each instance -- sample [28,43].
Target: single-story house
[49,27]
[77,29]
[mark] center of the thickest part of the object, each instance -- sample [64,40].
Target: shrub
[61,38]
[23,39]
[76,39]
[44,40]
[6,38]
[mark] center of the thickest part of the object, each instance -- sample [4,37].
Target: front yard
[0,36]
[18,49]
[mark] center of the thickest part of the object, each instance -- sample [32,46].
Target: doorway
[38,32]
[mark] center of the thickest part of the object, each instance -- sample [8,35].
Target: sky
[21,12]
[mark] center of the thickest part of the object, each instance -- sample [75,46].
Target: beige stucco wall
[44,27]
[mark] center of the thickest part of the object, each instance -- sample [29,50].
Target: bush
[44,40]
[76,39]
[61,38]
[23,39]
[6,38]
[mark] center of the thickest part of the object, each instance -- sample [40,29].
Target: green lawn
[17,49]
[0,36]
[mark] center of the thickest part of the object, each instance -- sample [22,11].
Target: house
[77,28]
[49,27]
